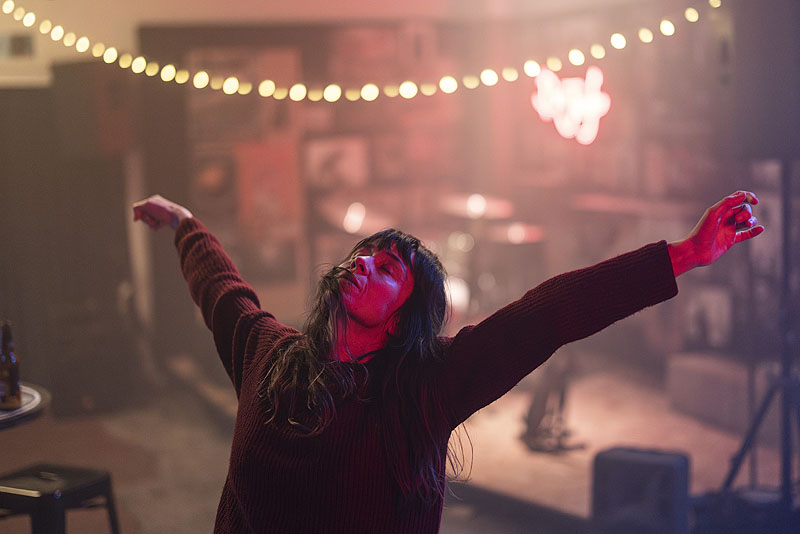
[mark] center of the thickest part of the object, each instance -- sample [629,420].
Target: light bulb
[470,81]
[576,57]
[138,65]
[168,73]
[110,55]
[532,68]
[428,89]
[297,92]
[57,33]
[408,89]
[200,80]
[489,77]
[125,61]
[332,93]
[554,64]
[370,92]
[618,41]
[352,94]
[391,90]
[82,45]
[182,76]
[597,51]
[266,88]
[510,74]
[448,84]
[230,85]
[97,50]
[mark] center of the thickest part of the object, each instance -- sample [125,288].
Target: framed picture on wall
[389,157]
[270,209]
[335,162]
[213,193]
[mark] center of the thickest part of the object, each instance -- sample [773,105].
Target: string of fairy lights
[333,92]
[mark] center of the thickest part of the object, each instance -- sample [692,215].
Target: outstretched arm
[484,361]
[724,224]
[229,305]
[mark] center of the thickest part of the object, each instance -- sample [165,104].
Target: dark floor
[168,456]
[473,509]
[168,462]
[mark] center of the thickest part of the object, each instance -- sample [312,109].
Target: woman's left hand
[724,224]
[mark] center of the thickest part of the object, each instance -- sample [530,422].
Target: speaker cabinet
[638,491]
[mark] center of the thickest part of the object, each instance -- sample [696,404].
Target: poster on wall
[269,218]
[245,181]
[335,162]
[213,193]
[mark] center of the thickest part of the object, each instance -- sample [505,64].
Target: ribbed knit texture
[339,482]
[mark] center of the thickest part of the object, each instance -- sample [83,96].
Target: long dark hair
[299,386]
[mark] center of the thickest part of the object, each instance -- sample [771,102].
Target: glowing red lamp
[575,105]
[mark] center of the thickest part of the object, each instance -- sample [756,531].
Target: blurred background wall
[99,305]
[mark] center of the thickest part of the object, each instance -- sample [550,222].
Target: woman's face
[380,284]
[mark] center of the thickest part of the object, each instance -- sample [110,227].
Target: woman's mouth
[350,278]
[353,280]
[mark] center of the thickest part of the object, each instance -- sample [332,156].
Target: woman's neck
[356,344]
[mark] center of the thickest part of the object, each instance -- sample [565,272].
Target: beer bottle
[4,372]
[10,395]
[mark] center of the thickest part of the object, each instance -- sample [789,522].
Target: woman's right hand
[156,211]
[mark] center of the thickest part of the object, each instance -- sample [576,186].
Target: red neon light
[574,105]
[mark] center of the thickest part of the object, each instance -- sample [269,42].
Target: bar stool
[47,491]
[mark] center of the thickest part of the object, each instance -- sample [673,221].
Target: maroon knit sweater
[339,481]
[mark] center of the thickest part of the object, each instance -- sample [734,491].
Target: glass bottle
[10,395]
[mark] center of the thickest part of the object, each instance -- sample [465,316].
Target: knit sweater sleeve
[229,305]
[484,361]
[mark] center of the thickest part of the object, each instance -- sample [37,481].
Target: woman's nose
[361,264]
